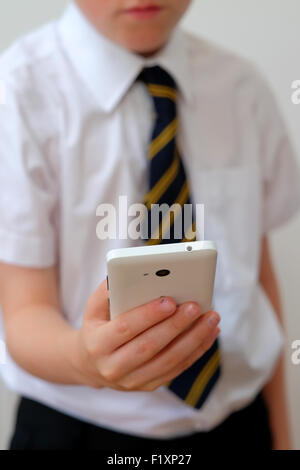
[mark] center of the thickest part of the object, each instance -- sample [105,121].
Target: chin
[145,45]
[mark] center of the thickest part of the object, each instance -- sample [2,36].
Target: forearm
[275,395]
[43,343]
[275,390]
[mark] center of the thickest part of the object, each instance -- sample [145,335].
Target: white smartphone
[183,271]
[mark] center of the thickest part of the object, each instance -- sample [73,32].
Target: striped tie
[168,185]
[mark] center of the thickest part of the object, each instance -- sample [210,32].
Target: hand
[282,444]
[282,440]
[144,348]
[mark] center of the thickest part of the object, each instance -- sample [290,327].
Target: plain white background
[265,31]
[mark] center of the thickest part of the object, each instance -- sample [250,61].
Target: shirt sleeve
[281,175]
[27,200]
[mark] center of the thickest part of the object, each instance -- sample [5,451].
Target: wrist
[80,368]
[69,344]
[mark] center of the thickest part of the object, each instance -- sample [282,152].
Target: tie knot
[159,82]
[157,76]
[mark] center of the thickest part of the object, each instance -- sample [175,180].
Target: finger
[184,365]
[177,351]
[149,343]
[130,324]
[97,308]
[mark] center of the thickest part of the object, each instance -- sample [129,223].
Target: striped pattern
[163,138]
[168,185]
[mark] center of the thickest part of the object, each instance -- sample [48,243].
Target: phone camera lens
[162,273]
[189,248]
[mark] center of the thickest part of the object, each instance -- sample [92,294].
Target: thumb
[97,308]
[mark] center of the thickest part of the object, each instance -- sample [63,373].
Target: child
[74,133]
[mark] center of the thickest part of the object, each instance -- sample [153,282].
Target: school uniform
[74,133]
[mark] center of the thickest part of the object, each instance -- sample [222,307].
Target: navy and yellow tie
[168,185]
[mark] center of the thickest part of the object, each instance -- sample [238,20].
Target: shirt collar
[109,69]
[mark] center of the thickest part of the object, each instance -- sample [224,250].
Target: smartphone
[184,271]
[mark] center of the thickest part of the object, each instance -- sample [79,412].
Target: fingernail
[216,332]
[213,319]
[166,306]
[192,310]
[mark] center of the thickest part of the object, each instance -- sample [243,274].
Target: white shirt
[74,132]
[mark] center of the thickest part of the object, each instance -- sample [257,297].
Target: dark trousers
[41,428]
